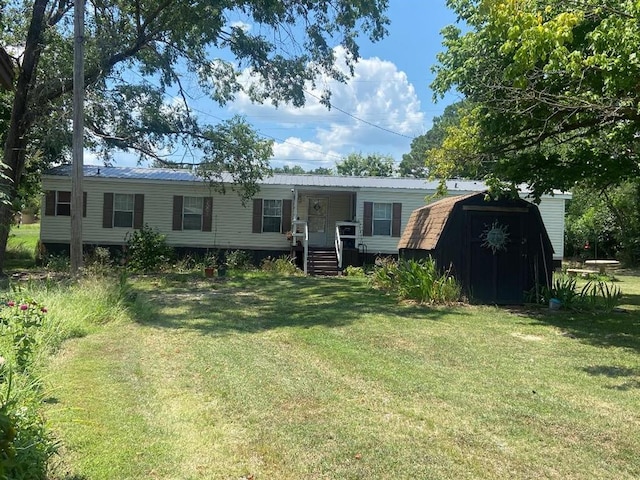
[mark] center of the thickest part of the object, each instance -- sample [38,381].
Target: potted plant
[210,263]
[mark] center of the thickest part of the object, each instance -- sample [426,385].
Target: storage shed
[497,249]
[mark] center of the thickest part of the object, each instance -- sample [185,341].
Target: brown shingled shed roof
[426,224]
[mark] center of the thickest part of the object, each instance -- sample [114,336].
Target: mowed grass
[21,246]
[266,377]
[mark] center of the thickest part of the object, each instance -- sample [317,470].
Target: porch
[326,235]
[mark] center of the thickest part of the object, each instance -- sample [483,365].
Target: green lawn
[266,377]
[21,246]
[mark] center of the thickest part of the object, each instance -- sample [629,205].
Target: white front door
[318,208]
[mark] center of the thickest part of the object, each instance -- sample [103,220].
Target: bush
[283,265]
[239,260]
[351,271]
[25,443]
[418,280]
[147,250]
[594,295]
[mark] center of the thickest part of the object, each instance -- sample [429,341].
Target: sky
[380,110]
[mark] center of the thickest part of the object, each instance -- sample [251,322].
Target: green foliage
[552,91]
[372,165]
[418,280]
[417,162]
[608,220]
[21,320]
[147,250]
[351,271]
[283,265]
[239,260]
[595,295]
[25,443]
[99,262]
[57,262]
[135,59]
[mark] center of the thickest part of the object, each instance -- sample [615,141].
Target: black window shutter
[107,211]
[207,214]
[138,210]
[177,212]
[84,204]
[396,219]
[50,202]
[286,215]
[367,219]
[256,226]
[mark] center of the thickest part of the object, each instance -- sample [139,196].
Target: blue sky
[389,95]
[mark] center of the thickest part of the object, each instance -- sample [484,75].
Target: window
[58,203]
[63,203]
[192,213]
[272,216]
[123,206]
[382,219]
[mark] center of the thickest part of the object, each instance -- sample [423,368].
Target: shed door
[497,259]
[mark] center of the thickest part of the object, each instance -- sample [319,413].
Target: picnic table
[602,265]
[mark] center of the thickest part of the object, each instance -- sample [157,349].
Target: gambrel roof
[426,224]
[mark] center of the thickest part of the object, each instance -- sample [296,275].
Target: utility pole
[78,139]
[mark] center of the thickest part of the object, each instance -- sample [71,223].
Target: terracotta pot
[209,272]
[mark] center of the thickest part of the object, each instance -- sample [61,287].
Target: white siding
[552,213]
[232,222]
[410,200]
[231,225]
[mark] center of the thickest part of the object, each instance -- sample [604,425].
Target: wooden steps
[322,262]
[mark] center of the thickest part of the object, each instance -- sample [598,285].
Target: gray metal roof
[299,181]
[308,181]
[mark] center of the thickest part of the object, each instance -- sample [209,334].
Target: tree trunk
[20,123]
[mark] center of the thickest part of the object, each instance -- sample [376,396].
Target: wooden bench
[572,272]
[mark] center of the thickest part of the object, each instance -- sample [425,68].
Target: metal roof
[299,181]
[181,175]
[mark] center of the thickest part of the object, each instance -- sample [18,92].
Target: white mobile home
[366,214]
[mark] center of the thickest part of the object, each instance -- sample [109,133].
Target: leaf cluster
[553,85]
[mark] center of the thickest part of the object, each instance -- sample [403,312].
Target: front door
[318,208]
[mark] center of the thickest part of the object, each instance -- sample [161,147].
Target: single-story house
[497,249]
[290,212]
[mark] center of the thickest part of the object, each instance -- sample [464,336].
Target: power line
[360,119]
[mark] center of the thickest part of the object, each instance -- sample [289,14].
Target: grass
[261,376]
[21,246]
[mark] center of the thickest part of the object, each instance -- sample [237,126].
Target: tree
[552,88]
[291,170]
[141,58]
[322,171]
[609,222]
[414,163]
[372,165]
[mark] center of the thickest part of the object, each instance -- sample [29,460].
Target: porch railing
[341,237]
[303,238]
[339,245]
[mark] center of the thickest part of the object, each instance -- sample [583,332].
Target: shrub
[147,250]
[99,262]
[239,260]
[351,271]
[25,443]
[283,265]
[594,295]
[418,280]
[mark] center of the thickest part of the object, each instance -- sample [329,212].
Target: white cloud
[385,103]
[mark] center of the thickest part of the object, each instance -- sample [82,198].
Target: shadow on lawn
[631,375]
[257,303]
[620,328]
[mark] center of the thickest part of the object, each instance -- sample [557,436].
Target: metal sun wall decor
[495,237]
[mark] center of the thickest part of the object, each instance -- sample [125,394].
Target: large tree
[553,91]
[414,163]
[137,53]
